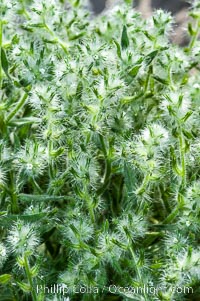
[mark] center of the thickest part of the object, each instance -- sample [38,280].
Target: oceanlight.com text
[63,289]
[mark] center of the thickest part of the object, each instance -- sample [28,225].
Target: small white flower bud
[22,238]
[3,254]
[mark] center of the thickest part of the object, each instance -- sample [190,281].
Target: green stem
[151,238]
[14,207]
[143,187]
[170,78]
[29,276]
[175,212]
[56,38]
[135,263]
[90,206]
[51,163]
[35,184]
[91,212]
[194,36]
[182,157]
[136,267]
[171,216]
[17,108]
[14,294]
[25,13]
[84,194]
[13,195]
[150,72]
[107,174]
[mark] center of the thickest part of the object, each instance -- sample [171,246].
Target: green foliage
[99,154]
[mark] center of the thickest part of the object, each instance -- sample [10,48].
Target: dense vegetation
[99,154]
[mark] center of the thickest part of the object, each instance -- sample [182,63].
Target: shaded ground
[172,5]
[179,8]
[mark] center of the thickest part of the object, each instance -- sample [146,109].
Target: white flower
[108,249]
[176,104]
[16,51]
[22,238]
[60,69]
[154,135]
[31,159]
[2,176]
[79,230]
[9,5]
[5,151]
[102,88]
[37,5]
[109,57]
[135,224]
[196,86]
[187,261]
[193,193]
[42,71]
[146,135]
[3,254]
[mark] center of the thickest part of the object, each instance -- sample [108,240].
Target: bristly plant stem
[14,294]
[25,12]
[136,267]
[194,35]
[84,194]
[107,173]
[170,78]
[182,157]
[51,165]
[171,216]
[29,276]
[150,72]
[17,107]
[176,210]
[89,205]
[130,247]
[37,187]
[13,195]
[144,185]
[91,212]
[56,38]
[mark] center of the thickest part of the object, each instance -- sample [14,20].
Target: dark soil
[170,5]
